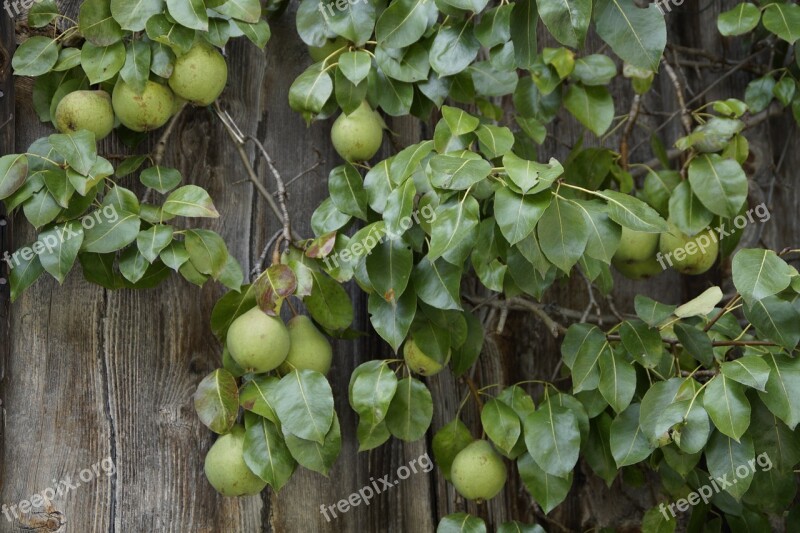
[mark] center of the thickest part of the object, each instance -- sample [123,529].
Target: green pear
[142,112]
[688,255]
[421,363]
[225,467]
[85,110]
[257,341]
[636,245]
[199,75]
[230,365]
[319,53]
[358,136]
[478,472]
[309,348]
[639,270]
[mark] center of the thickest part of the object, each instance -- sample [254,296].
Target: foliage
[690,391]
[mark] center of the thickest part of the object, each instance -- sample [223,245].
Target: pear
[320,53]
[230,365]
[142,112]
[199,75]
[421,363]
[358,136]
[309,348]
[85,110]
[258,342]
[478,472]
[636,245]
[225,467]
[638,270]
[688,255]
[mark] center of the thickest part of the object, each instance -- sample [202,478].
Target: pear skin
[310,349]
[358,136]
[85,110]
[636,245]
[689,255]
[142,112]
[199,75]
[478,472]
[421,363]
[258,342]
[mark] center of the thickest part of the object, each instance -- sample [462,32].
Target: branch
[161,146]
[686,119]
[239,140]
[633,114]
[287,228]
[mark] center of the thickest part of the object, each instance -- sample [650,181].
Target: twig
[287,227]
[685,117]
[161,147]
[239,140]
[319,162]
[7,122]
[676,342]
[474,390]
[259,265]
[592,302]
[633,114]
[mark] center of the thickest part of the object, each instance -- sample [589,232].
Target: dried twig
[161,146]
[287,228]
[686,118]
[258,267]
[633,114]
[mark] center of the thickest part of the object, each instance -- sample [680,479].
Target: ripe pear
[689,255]
[225,467]
[199,75]
[636,245]
[421,363]
[142,112]
[319,53]
[85,110]
[638,270]
[257,341]
[309,349]
[478,472]
[358,136]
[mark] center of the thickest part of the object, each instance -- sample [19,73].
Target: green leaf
[750,370]
[136,71]
[79,149]
[60,248]
[175,255]
[266,453]
[36,56]
[719,183]
[370,436]
[102,63]
[454,48]
[317,456]
[162,179]
[781,396]
[642,342]
[217,401]
[303,401]
[207,251]
[501,424]
[530,176]
[567,20]
[759,273]
[372,387]
[13,171]
[27,269]
[166,31]
[244,10]
[403,23]
[355,66]
[448,441]
[411,410]
[111,233]
[723,456]
[727,406]
[632,213]
[776,320]
[42,13]
[133,16]
[495,26]
[524,21]
[461,523]
[494,141]
[592,106]
[465,356]
[740,20]
[617,380]
[392,319]
[347,192]
[783,20]
[329,303]
[438,283]
[594,69]
[190,201]
[629,445]
[563,233]
[604,235]
[548,490]
[696,342]
[637,35]
[192,13]
[354,23]
[597,451]
[311,90]
[152,241]
[517,215]
[389,267]
[256,396]
[700,305]
[553,439]
[97,25]
[456,224]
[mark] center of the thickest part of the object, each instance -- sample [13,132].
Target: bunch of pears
[637,256]
[198,77]
[260,343]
